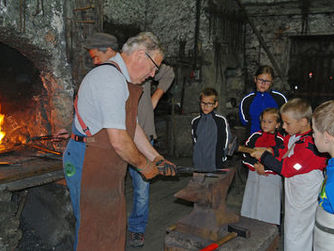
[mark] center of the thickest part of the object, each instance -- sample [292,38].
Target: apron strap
[81,122]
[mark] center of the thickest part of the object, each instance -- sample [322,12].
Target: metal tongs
[50,137]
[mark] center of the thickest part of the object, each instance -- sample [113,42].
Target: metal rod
[197,25]
[50,137]
[45,149]
[84,8]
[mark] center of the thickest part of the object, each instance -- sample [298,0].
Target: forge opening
[22,99]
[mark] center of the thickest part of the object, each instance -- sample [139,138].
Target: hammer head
[241,231]
[233,146]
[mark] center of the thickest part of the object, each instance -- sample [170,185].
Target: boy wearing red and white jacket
[300,162]
[262,196]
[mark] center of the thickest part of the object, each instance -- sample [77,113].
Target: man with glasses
[211,134]
[102,47]
[105,137]
[263,97]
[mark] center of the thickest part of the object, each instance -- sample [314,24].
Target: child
[211,134]
[262,196]
[301,164]
[263,97]
[323,133]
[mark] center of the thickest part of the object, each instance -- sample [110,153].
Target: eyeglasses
[207,104]
[264,81]
[155,64]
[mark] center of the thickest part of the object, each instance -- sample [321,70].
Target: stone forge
[36,100]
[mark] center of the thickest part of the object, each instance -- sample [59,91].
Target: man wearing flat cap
[101,47]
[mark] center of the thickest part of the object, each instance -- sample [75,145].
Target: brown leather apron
[102,200]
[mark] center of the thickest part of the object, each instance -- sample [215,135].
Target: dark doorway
[311,70]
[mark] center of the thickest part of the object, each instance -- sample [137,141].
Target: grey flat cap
[101,40]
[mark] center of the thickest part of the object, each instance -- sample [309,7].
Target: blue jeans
[73,158]
[141,191]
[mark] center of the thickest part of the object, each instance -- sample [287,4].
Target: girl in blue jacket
[254,103]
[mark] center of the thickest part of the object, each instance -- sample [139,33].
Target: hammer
[234,231]
[233,147]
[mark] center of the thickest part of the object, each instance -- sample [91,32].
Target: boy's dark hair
[265,69]
[273,111]
[300,108]
[209,92]
[323,117]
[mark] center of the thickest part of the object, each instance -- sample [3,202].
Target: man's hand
[165,167]
[260,169]
[149,171]
[258,151]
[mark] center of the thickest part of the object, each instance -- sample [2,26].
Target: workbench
[21,170]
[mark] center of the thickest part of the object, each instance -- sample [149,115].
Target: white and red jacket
[295,158]
[261,139]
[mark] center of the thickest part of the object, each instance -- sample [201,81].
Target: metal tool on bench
[8,163]
[234,231]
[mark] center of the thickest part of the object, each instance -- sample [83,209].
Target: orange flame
[2,134]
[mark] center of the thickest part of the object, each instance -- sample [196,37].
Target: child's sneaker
[136,239]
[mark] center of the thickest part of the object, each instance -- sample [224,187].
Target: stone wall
[175,22]
[201,38]
[277,22]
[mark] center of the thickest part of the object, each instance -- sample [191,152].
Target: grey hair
[143,41]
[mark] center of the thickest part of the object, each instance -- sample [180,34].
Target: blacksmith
[105,136]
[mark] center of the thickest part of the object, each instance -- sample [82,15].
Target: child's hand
[260,169]
[258,151]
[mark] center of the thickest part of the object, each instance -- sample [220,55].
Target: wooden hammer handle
[245,149]
[220,242]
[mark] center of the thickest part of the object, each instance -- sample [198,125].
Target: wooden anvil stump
[208,192]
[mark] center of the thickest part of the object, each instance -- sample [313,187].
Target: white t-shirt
[102,97]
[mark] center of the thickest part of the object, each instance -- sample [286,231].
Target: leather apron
[102,200]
